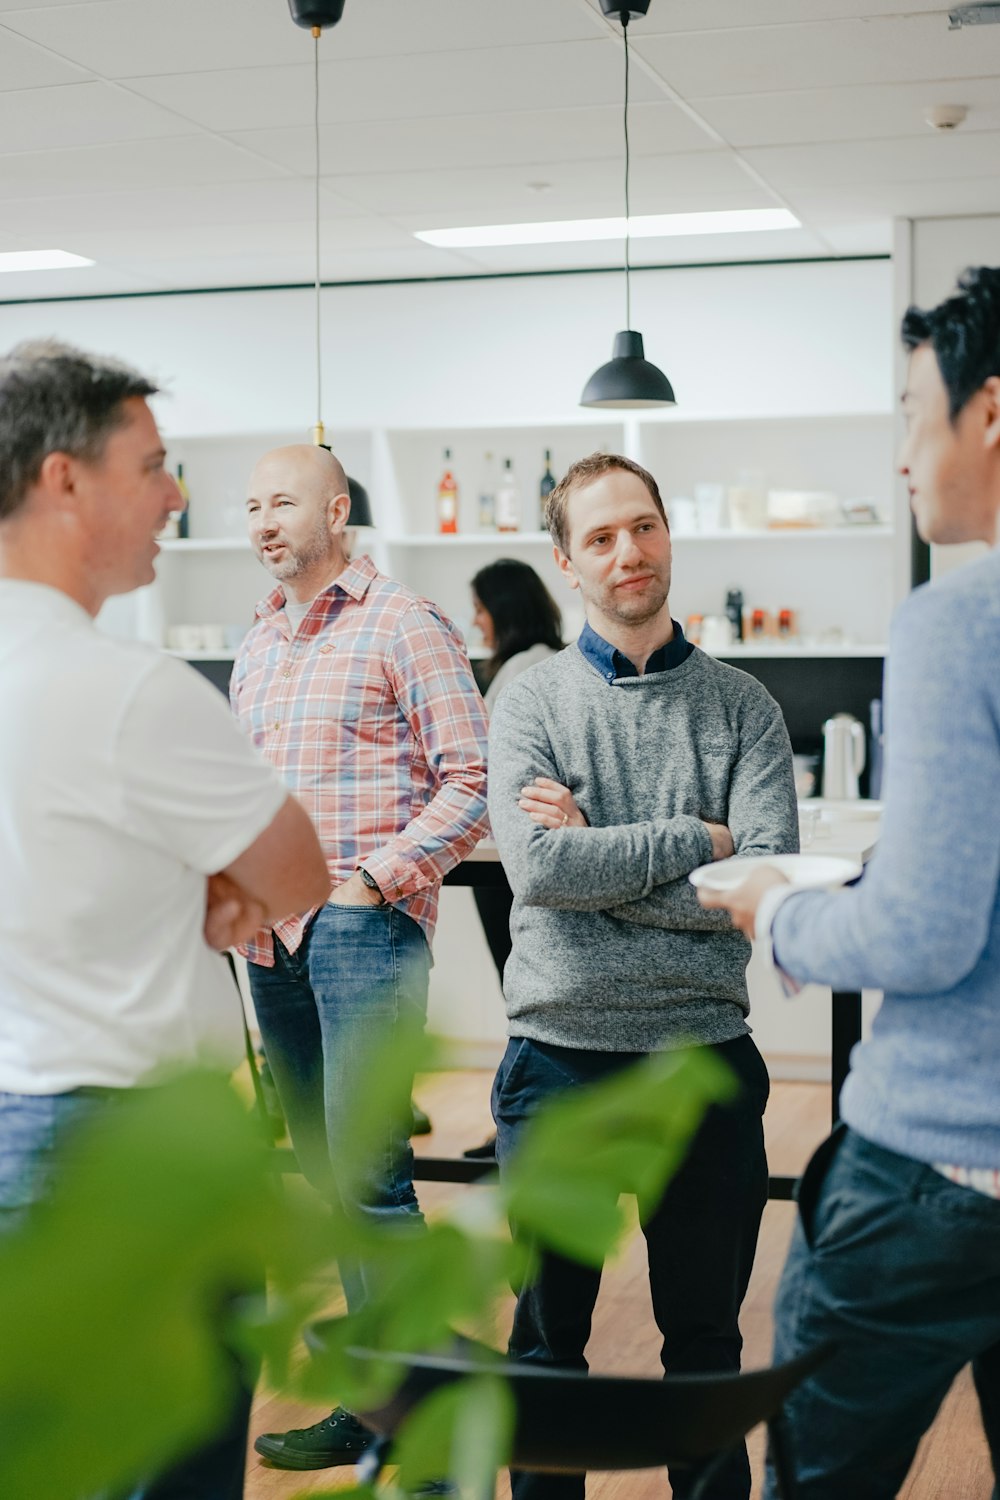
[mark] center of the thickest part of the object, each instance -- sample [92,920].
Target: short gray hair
[57,399]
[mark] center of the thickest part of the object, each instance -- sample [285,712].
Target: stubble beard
[317,548]
[634,611]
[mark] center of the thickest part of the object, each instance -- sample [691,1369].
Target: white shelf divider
[494,539]
[797,649]
[205,544]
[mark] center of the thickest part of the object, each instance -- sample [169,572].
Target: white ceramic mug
[683,515]
[185,638]
[716,633]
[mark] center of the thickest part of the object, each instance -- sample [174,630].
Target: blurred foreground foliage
[167,1214]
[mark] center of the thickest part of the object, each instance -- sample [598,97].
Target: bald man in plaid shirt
[360,693]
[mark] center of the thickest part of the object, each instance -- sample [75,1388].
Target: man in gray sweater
[617,767]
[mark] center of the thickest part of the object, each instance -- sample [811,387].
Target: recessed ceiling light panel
[645,226]
[40,260]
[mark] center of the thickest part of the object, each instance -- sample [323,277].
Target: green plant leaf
[113,1296]
[461,1432]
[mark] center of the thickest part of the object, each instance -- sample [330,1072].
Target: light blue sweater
[924,923]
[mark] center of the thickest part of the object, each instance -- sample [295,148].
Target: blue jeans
[32,1130]
[901,1268]
[700,1242]
[320,1010]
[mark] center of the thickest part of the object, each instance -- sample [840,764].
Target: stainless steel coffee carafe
[843,757]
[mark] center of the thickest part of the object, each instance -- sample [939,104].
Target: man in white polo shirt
[138,828]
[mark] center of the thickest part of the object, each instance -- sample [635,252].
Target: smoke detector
[987,14]
[945,116]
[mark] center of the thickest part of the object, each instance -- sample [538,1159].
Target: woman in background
[520,624]
[518,620]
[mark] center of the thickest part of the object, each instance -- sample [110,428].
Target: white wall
[939,250]
[741,340]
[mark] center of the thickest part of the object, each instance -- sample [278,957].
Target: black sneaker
[419,1120]
[339,1439]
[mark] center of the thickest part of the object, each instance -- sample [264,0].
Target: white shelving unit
[835,578]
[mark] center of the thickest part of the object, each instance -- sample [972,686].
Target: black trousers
[493,902]
[700,1242]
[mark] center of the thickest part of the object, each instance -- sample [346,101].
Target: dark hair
[581,473]
[57,399]
[964,332]
[523,612]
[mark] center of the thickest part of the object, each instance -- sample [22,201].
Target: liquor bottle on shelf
[546,485]
[184,516]
[508,499]
[488,495]
[734,612]
[447,506]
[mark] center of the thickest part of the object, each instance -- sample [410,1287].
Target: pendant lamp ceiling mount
[313,15]
[625,13]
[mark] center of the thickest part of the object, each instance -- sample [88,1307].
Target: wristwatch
[371,883]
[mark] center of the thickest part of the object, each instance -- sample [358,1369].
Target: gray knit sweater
[612,952]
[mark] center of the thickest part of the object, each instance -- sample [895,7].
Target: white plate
[804,871]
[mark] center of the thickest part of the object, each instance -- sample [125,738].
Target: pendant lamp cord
[317,33]
[628,290]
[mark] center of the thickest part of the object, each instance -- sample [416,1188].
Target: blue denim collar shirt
[614,664]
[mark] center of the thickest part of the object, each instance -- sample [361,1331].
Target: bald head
[296,512]
[311,471]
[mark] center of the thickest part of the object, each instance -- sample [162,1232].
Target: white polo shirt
[124,781]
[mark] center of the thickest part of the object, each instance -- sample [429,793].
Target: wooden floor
[953,1461]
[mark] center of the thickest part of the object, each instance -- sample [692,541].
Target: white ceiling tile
[6,5]
[453,111]
[267,270]
[565,75]
[824,55]
[795,116]
[274,237]
[720,15]
[176,209]
[136,38]
[119,38]
[578,189]
[79,114]
[904,200]
[863,237]
[24,66]
[911,159]
[178,162]
[526,136]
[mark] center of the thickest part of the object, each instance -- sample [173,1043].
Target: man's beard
[317,548]
[617,606]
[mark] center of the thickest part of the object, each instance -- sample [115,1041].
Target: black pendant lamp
[314,15]
[628,379]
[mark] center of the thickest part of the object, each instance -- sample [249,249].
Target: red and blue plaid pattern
[371,715]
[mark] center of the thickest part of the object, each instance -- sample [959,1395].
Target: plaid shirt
[371,714]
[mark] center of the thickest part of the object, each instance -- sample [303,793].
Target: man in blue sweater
[896,1255]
